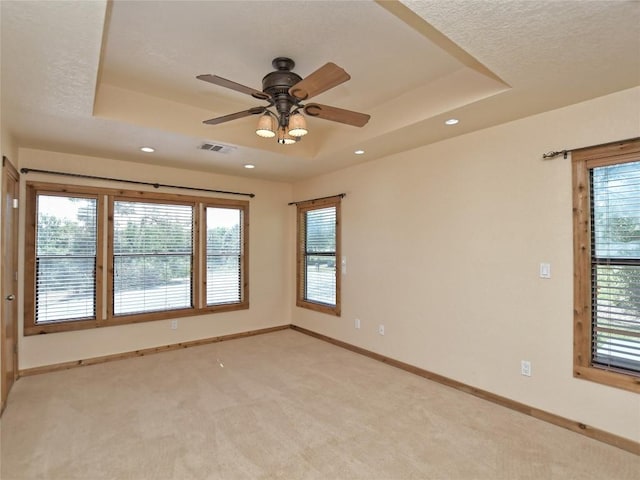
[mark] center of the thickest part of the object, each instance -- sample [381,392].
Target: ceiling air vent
[216,147]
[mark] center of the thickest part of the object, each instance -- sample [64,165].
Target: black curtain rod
[154,185]
[564,153]
[341,195]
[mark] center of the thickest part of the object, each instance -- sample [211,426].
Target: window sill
[606,377]
[319,307]
[130,319]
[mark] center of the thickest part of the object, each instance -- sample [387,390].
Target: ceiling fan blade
[235,116]
[337,114]
[223,82]
[324,78]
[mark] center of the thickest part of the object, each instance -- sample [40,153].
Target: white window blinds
[65,259]
[152,257]
[615,266]
[320,255]
[224,255]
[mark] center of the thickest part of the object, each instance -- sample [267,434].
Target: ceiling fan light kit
[284,91]
[284,138]
[297,125]
[266,126]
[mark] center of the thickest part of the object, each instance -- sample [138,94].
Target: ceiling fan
[285,91]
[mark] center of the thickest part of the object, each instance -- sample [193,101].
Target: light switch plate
[545,270]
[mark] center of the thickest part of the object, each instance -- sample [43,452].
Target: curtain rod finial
[553,154]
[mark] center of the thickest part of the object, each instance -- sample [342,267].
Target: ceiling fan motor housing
[277,85]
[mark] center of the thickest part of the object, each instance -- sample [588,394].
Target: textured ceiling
[528,43]
[49,64]
[103,78]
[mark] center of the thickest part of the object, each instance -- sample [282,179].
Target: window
[97,257]
[606,186]
[152,257]
[225,251]
[318,280]
[65,264]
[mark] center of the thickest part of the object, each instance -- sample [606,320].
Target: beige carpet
[281,405]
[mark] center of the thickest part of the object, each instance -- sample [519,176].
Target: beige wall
[443,246]
[8,146]
[269,263]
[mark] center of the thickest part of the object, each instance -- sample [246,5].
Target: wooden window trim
[32,190]
[105,198]
[112,318]
[302,208]
[582,161]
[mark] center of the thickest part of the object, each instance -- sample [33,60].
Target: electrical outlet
[381,329]
[357,324]
[525,368]
[174,324]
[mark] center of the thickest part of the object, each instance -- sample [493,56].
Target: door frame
[9,173]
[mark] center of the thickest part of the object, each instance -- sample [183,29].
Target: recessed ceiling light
[147,149]
[248,165]
[359,152]
[452,121]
